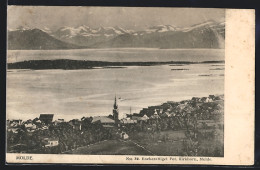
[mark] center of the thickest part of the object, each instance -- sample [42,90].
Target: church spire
[115,104]
[115,111]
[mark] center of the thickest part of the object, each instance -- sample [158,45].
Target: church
[111,120]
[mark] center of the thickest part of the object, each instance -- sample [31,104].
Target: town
[192,127]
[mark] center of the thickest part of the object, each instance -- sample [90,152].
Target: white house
[145,117]
[30,125]
[124,135]
[51,142]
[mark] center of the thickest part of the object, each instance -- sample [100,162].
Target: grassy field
[111,147]
[170,143]
[164,143]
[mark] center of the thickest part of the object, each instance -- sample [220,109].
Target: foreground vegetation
[187,128]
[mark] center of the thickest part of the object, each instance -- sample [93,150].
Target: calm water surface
[119,55]
[75,93]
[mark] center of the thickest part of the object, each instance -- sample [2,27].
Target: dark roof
[16,120]
[48,117]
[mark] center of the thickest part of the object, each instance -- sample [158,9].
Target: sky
[136,18]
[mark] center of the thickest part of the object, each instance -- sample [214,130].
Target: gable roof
[102,119]
[136,118]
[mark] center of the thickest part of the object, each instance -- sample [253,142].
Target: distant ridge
[35,39]
[209,34]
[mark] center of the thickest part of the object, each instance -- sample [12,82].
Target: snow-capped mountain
[70,32]
[86,31]
[209,34]
[111,31]
[161,28]
[47,30]
[205,35]
[85,36]
[20,28]
[209,25]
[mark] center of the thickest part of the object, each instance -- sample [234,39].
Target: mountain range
[209,34]
[35,39]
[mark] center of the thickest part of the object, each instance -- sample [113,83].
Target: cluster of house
[168,109]
[30,125]
[211,98]
[173,109]
[41,123]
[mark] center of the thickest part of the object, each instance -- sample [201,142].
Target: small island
[179,69]
[66,64]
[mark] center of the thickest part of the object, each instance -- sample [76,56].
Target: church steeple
[115,104]
[115,111]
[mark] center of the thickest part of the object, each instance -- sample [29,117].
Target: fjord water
[119,54]
[76,93]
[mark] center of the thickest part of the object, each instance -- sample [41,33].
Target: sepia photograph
[116,81]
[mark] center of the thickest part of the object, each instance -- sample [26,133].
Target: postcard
[130,85]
